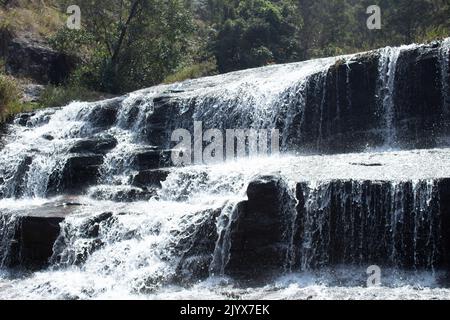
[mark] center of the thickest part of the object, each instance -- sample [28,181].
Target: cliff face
[32,59]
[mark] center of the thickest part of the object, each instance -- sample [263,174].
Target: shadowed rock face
[78,172]
[369,222]
[27,58]
[420,116]
[198,251]
[259,238]
[28,235]
[97,145]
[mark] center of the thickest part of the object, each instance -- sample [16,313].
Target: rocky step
[150,178]
[403,224]
[122,193]
[100,144]
[28,236]
[78,172]
[339,222]
[82,169]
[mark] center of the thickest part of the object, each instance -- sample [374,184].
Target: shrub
[9,96]
[197,70]
[57,96]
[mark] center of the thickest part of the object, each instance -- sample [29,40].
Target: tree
[137,43]
[256,33]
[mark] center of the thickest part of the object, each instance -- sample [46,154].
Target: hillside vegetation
[124,45]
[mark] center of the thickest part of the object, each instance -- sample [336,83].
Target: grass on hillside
[10,94]
[194,71]
[39,18]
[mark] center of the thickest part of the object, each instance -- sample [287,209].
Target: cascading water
[445,74]
[396,232]
[130,225]
[387,69]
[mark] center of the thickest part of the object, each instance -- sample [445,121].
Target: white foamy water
[134,254]
[119,250]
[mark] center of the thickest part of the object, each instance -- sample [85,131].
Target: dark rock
[151,158]
[91,226]
[345,222]
[78,173]
[198,250]
[22,119]
[258,241]
[340,114]
[444,205]
[150,178]
[367,164]
[28,236]
[96,145]
[419,115]
[20,174]
[32,92]
[104,115]
[48,137]
[163,120]
[124,194]
[35,239]
[31,59]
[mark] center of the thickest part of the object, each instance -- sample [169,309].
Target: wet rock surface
[79,172]
[150,178]
[27,242]
[259,247]
[97,145]
[146,228]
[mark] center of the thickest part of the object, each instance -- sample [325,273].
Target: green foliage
[57,96]
[69,41]
[9,96]
[258,32]
[193,71]
[130,44]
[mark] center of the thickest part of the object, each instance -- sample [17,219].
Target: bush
[9,96]
[57,96]
[194,71]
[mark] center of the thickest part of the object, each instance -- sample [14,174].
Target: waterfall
[445,74]
[396,224]
[221,254]
[8,225]
[387,71]
[128,223]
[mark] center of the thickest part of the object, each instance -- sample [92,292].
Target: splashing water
[139,249]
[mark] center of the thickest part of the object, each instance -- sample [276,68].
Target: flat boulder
[28,235]
[150,158]
[150,178]
[97,145]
